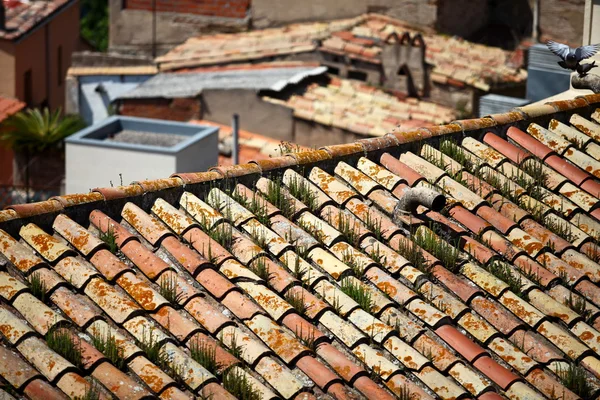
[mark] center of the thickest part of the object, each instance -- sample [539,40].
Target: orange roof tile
[22,16]
[295,274]
[9,107]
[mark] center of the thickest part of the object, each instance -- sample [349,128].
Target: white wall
[88,167]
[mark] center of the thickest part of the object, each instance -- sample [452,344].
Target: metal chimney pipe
[235,132]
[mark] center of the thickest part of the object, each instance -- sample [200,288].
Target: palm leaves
[35,131]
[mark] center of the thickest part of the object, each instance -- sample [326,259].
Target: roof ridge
[301,159]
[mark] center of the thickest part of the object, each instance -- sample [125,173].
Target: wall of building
[182,109]
[312,134]
[217,8]
[7,66]
[31,55]
[131,29]
[256,115]
[562,20]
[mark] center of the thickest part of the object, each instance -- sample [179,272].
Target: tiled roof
[22,16]
[363,109]
[252,146]
[454,60]
[235,47]
[9,107]
[293,272]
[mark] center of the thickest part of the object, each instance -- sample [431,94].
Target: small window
[59,65]
[358,75]
[28,88]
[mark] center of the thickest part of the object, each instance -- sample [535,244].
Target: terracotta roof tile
[22,17]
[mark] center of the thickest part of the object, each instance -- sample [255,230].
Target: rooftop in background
[23,16]
[113,70]
[295,273]
[361,38]
[191,84]
[9,107]
[363,109]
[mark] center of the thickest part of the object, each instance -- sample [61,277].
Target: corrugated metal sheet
[497,104]
[192,84]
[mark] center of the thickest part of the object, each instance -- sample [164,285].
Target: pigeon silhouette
[583,69]
[572,57]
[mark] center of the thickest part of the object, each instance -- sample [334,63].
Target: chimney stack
[2,16]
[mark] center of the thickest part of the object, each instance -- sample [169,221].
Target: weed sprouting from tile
[235,349]
[358,293]
[450,148]
[504,185]
[312,230]
[413,255]
[107,345]
[66,344]
[205,354]
[347,227]
[337,306]
[560,228]
[593,252]
[156,354]
[574,378]
[376,255]
[276,195]
[236,382]
[261,269]
[350,260]
[168,289]
[92,392]
[505,274]
[110,238]
[439,248]
[303,252]
[296,300]
[404,393]
[579,305]
[301,190]
[308,340]
[374,225]
[535,187]
[287,148]
[256,205]
[260,238]
[533,276]
[222,234]
[37,286]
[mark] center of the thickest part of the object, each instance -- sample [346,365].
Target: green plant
[308,340]
[66,344]
[94,23]
[356,267]
[261,269]
[34,131]
[168,289]
[534,168]
[450,148]
[92,392]
[593,252]
[296,300]
[504,185]
[156,354]
[107,345]
[236,382]
[110,238]
[374,225]
[38,286]
[222,234]
[404,393]
[236,349]
[260,238]
[276,195]
[348,228]
[413,255]
[532,275]
[206,354]
[579,305]
[301,190]
[574,378]
[357,292]
[376,255]
[503,272]
[440,249]
[562,229]
[288,147]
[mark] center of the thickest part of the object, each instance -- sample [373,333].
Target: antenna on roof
[235,127]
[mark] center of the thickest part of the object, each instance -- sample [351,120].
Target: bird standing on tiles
[571,58]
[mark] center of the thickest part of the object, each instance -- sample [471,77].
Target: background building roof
[22,16]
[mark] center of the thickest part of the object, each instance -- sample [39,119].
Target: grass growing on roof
[107,345]
[66,344]
[37,286]
[296,300]
[110,238]
[503,272]
[413,255]
[574,378]
[376,255]
[450,148]
[357,292]
[579,305]
[205,354]
[308,340]
[301,190]
[261,269]
[348,228]
[222,234]
[236,382]
[357,268]
[169,290]
[440,249]
[235,349]
[276,195]
[91,393]
[374,225]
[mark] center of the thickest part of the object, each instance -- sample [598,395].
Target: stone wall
[182,109]
[562,20]
[217,8]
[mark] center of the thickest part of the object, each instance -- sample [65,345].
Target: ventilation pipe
[415,197]
[235,133]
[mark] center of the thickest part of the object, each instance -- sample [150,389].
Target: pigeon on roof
[571,58]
